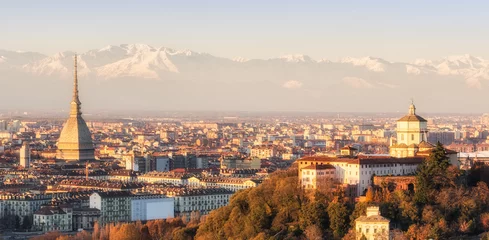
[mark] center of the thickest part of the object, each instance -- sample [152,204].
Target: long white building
[121,206]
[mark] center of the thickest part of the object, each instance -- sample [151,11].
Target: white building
[263,152]
[22,204]
[316,176]
[229,183]
[113,206]
[125,206]
[358,171]
[163,177]
[199,200]
[150,207]
[53,218]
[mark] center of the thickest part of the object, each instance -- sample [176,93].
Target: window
[412,137]
[402,137]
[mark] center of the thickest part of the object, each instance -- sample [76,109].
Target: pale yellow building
[373,226]
[412,132]
[317,176]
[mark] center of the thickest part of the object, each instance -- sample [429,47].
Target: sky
[394,30]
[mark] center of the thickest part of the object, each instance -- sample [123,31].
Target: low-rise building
[85,218]
[317,176]
[372,226]
[113,206]
[53,218]
[126,206]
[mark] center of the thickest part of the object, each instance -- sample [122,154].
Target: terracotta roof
[372,219]
[425,144]
[320,167]
[412,118]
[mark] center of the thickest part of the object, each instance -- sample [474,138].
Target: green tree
[338,215]
[313,213]
[431,174]
[360,209]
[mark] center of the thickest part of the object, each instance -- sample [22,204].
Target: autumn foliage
[446,203]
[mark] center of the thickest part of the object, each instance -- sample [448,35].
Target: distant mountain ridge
[273,79]
[145,61]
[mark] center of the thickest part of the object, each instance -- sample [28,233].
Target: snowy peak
[296,58]
[59,64]
[137,48]
[145,63]
[19,58]
[371,63]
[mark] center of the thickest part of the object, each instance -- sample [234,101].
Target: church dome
[412,117]
[402,145]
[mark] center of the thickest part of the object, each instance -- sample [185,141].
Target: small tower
[25,156]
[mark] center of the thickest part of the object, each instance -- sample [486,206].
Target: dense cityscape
[78,177]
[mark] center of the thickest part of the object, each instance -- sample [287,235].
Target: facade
[75,141]
[357,172]
[162,163]
[240,163]
[85,218]
[372,226]
[263,152]
[199,200]
[412,133]
[150,207]
[228,183]
[22,204]
[113,206]
[317,176]
[25,156]
[53,218]
[126,207]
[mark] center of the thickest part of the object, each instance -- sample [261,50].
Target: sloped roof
[372,219]
[412,118]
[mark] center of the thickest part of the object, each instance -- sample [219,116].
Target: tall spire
[75,102]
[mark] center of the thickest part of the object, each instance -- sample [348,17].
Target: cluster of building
[69,176]
[355,171]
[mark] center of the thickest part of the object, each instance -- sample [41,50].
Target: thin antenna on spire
[75,102]
[75,79]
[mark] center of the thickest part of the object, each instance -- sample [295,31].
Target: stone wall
[395,182]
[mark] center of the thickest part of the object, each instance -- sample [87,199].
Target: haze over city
[222,56]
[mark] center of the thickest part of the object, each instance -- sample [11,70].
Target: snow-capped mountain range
[300,75]
[144,61]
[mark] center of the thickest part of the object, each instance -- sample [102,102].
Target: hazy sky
[394,30]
